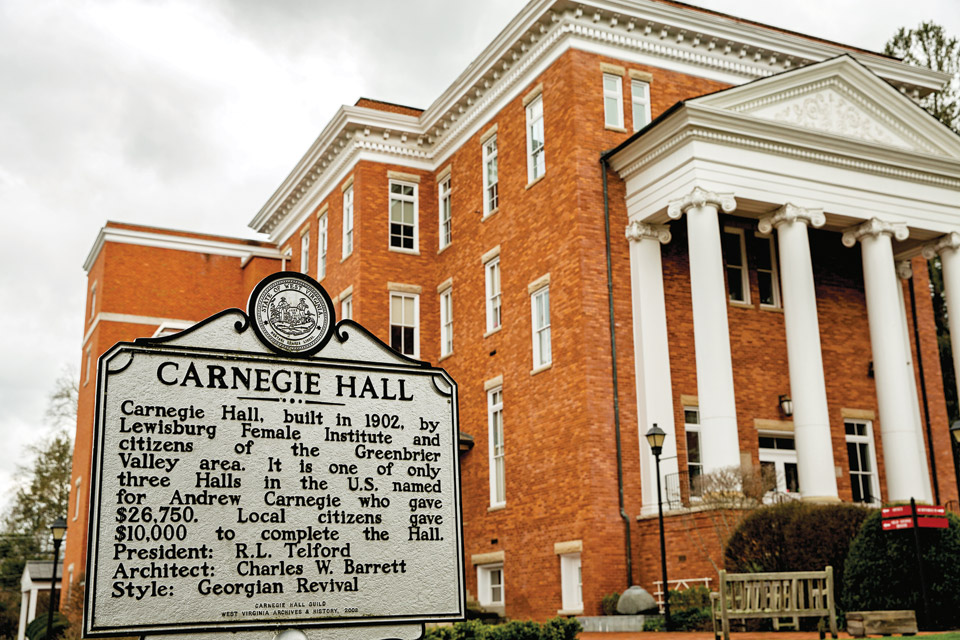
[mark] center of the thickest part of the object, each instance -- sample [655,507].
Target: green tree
[928,46]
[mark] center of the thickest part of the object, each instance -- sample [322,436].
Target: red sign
[896,512]
[898,523]
[923,510]
[933,523]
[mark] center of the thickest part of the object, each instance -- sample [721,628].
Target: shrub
[795,536]
[553,629]
[881,571]
[690,609]
[609,603]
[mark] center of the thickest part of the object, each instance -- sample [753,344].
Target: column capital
[875,227]
[792,213]
[904,270]
[637,231]
[699,198]
[947,242]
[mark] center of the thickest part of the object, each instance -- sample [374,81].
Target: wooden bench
[881,623]
[788,594]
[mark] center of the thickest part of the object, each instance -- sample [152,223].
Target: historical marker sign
[271,469]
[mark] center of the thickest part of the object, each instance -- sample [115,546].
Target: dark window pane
[853,457]
[864,451]
[791,476]
[761,253]
[693,447]
[855,486]
[691,417]
[767,442]
[785,443]
[396,337]
[731,249]
[735,283]
[408,341]
[765,283]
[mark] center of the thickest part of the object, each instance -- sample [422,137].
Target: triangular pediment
[839,97]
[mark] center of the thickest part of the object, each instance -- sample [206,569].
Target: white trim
[403,296]
[347,213]
[346,292]
[871,443]
[346,306]
[323,243]
[444,197]
[484,587]
[536,119]
[743,267]
[571,582]
[446,322]
[403,198]
[132,319]
[493,382]
[774,273]
[541,360]
[496,459]
[614,93]
[234,249]
[639,101]
[493,300]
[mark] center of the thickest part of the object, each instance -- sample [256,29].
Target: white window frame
[305,252]
[445,213]
[494,298]
[743,268]
[485,573]
[491,188]
[446,322]
[571,582]
[93,300]
[640,103]
[540,359]
[615,94]
[693,428]
[89,366]
[495,432]
[779,458]
[416,321]
[773,271]
[536,156]
[415,199]
[872,452]
[322,241]
[76,500]
[346,307]
[347,222]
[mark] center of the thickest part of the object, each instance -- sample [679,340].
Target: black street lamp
[59,529]
[655,437]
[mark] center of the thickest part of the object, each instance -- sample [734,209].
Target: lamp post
[954,441]
[655,438]
[59,529]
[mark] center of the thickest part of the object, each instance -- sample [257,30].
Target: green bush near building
[552,629]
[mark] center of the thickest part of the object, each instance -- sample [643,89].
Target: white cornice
[689,40]
[225,247]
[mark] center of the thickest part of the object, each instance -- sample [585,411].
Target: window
[734,257]
[571,582]
[778,463]
[93,300]
[490,585]
[403,216]
[863,461]
[322,248]
[76,499]
[446,322]
[536,161]
[640,99]
[348,221]
[491,198]
[89,366]
[305,252]
[403,323]
[445,227]
[492,269]
[691,426]
[540,309]
[612,100]
[346,308]
[498,488]
[768,284]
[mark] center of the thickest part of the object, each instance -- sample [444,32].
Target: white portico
[829,146]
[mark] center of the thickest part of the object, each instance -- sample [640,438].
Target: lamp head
[786,405]
[955,431]
[655,437]
[59,528]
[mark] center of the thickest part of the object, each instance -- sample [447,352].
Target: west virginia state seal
[291,313]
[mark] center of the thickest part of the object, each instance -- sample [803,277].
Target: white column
[719,440]
[33,605]
[905,272]
[948,248]
[651,358]
[897,424]
[811,419]
[24,601]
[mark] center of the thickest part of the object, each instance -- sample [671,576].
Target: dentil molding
[875,227]
[637,231]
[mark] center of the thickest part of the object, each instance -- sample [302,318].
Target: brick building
[779,194]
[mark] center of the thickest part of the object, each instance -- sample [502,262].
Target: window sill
[344,258]
[492,331]
[770,307]
[610,127]
[411,252]
[541,368]
[530,184]
[570,612]
[740,305]
[442,358]
[443,248]
[490,214]
[496,507]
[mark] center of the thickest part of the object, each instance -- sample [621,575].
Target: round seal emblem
[291,313]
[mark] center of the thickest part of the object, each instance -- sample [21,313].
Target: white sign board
[243,484]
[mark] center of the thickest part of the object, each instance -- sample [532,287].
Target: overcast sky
[189,114]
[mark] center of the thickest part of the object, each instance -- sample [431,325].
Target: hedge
[552,629]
